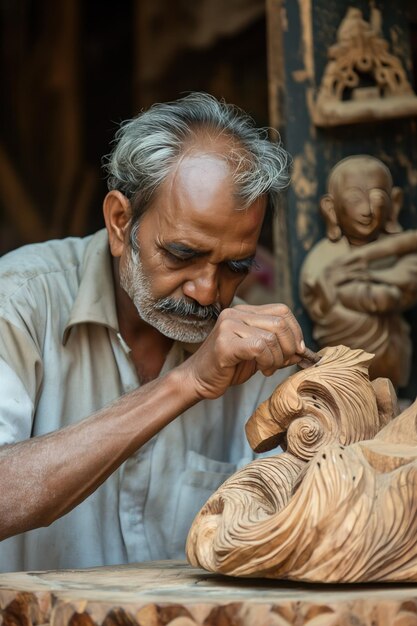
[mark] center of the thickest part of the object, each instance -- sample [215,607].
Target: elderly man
[126,370]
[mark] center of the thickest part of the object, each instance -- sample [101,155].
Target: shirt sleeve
[16,407]
[21,373]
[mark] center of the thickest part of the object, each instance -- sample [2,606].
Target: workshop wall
[302,32]
[70,71]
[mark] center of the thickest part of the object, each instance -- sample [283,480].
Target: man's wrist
[183,387]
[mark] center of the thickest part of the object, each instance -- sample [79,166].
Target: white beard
[137,286]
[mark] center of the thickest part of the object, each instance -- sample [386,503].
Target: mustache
[184,308]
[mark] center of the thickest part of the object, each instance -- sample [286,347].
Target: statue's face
[362,201]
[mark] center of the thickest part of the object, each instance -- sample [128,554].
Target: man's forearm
[47,476]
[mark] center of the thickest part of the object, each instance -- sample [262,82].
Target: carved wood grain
[172,594]
[339,505]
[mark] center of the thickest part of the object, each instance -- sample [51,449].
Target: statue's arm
[368,297]
[401,276]
[383,290]
[350,281]
[340,281]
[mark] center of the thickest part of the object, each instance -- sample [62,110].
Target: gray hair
[146,148]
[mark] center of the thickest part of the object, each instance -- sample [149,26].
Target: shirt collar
[95,301]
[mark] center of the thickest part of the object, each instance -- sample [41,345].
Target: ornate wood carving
[362,81]
[173,594]
[332,507]
[322,405]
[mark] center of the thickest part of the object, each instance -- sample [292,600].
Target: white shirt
[61,359]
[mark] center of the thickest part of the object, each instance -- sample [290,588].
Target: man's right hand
[245,339]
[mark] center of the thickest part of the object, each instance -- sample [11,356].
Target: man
[116,424]
[356,283]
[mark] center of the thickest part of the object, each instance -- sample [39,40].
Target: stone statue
[339,504]
[356,283]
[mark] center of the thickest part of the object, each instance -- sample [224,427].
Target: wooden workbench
[175,594]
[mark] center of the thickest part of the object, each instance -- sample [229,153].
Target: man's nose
[204,286]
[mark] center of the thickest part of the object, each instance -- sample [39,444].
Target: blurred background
[71,70]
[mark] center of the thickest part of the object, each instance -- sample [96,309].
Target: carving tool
[309,358]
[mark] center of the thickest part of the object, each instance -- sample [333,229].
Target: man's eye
[172,258]
[241,267]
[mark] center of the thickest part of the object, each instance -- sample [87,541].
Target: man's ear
[392,225]
[327,209]
[117,215]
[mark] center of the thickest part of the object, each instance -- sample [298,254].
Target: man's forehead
[201,191]
[200,168]
[200,181]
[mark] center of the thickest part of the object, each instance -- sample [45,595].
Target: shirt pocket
[199,480]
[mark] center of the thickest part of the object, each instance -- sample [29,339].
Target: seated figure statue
[356,283]
[339,504]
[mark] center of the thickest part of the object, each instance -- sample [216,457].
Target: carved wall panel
[362,81]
